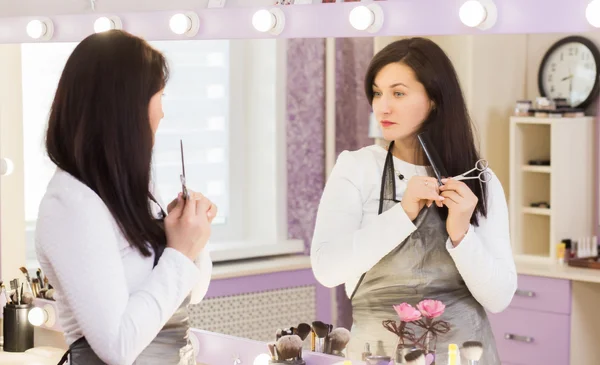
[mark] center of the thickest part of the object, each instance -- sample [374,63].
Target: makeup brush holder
[18,332]
[288,362]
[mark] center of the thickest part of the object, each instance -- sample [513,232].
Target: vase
[429,345]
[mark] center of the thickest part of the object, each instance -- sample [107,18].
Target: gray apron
[418,268]
[171,346]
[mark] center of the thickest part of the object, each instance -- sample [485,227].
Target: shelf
[536,168]
[534,120]
[536,211]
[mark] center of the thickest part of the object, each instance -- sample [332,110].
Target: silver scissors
[184,190]
[484,174]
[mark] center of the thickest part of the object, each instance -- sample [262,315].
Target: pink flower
[431,308]
[407,312]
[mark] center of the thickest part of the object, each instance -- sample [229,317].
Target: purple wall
[352,109]
[351,120]
[305,135]
[306,129]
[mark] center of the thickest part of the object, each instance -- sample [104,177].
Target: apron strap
[65,357]
[159,251]
[387,192]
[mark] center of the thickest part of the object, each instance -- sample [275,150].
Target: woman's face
[400,102]
[155,111]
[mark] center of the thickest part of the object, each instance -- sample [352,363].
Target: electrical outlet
[216,3]
[303,2]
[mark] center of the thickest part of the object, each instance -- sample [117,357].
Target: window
[196,105]
[224,100]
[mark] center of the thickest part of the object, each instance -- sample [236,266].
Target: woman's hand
[421,191]
[187,225]
[212,212]
[461,203]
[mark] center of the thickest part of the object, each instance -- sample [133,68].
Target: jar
[561,103]
[544,103]
[523,108]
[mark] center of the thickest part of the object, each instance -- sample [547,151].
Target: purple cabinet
[535,328]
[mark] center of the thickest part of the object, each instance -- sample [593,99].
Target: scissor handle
[481,164]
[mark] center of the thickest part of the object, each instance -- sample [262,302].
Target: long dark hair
[448,124]
[99,129]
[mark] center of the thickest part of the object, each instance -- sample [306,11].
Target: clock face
[569,71]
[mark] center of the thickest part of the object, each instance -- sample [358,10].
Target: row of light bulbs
[480,14]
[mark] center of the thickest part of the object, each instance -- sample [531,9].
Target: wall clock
[570,70]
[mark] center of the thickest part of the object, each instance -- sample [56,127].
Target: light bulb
[180,23]
[480,14]
[361,17]
[39,29]
[262,359]
[6,167]
[592,13]
[472,13]
[263,20]
[185,23]
[103,24]
[37,316]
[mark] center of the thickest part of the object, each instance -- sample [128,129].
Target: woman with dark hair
[123,269]
[391,233]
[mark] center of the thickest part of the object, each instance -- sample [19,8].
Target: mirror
[253,115]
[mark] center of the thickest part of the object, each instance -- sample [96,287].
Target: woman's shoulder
[360,166]
[65,193]
[368,156]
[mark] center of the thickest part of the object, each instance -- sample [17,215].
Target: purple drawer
[543,294]
[526,337]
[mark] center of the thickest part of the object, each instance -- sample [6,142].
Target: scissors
[184,190]
[483,176]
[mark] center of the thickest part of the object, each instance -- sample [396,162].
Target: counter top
[36,356]
[551,269]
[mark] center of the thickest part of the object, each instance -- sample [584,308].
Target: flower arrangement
[425,316]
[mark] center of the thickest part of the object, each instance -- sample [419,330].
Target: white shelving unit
[567,184]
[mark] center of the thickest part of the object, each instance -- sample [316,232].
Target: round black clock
[570,70]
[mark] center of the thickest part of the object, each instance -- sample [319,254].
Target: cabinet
[566,184]
[535,328]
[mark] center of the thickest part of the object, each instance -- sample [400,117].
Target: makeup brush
[472,351]
[49,294]
[416,357]
[271,347]
[303,330]
[38,273]
[289,347]
[5,293]
[27,298]
[321,330]
[35,287]
[338,339]
[26,273]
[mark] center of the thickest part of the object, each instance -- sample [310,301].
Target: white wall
[12,207]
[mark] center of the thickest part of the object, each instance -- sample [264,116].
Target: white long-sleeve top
[351,237]
[106,290]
